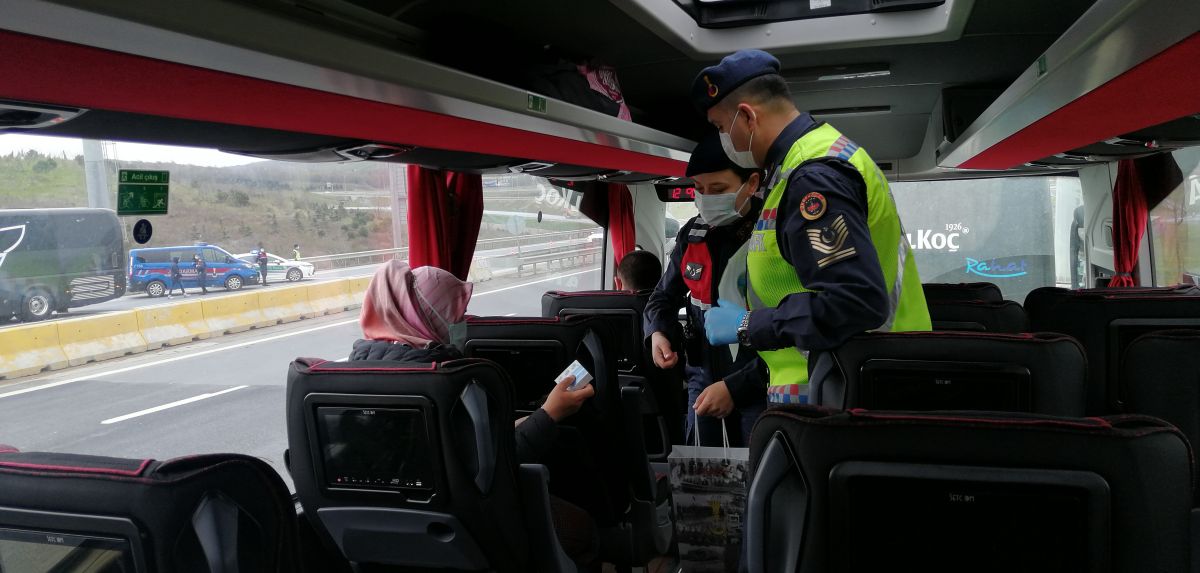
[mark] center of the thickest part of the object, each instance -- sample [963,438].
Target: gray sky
[121,151]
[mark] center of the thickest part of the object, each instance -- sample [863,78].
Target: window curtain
[445,209]
[1129,222]
[620,224]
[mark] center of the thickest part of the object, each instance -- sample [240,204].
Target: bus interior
[1044,158]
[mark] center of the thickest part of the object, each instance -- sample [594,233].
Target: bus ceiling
[953,88]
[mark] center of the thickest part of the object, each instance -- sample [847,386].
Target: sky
[121,151]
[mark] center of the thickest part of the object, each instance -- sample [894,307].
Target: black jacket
[745,377]
[535,435]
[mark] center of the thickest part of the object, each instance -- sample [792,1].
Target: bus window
[533,230]
[1175,226]
[1015,232]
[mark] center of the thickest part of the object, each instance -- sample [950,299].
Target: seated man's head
[414,306]
[639,270]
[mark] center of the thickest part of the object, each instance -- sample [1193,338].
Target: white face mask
[720,210]
[743,159]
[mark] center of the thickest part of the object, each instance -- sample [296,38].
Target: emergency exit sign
[142,192]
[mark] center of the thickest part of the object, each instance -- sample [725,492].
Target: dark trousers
[202,280]
[576,533]
[176,282]
[262,270]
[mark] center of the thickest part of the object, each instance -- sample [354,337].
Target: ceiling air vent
[20,116]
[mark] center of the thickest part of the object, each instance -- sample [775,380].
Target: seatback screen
[940,523]
[531,366]
[920,385]
[376,449]
[28,551]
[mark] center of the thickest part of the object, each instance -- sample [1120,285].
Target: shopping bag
[708,488]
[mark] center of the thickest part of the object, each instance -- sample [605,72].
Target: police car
[279,268]
[150,268]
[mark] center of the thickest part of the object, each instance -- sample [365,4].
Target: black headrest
[977,315]
[623,309]
[1105,322]
[962,491]
[448,497]
[962,291]
[1044,373]
[1160,377]
[189,514]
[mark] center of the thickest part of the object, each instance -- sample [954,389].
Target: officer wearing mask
[828,258]
[709,262]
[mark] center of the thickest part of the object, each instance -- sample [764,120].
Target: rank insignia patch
[829,243]
[693,271]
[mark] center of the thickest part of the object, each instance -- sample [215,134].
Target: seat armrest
[548,554]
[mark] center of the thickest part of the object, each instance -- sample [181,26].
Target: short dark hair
[763,89]
[639,270]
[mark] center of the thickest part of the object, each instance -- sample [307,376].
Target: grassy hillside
[326,208]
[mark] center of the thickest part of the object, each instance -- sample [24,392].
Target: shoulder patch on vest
[813,206]
[693,271]
[829,243]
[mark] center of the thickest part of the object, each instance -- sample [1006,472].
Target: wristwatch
[743,331]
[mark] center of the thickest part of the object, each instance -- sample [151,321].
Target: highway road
[226,394]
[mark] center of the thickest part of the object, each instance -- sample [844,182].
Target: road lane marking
[171,405]
[511,314]
[554,278]
[243,344]
[172,359]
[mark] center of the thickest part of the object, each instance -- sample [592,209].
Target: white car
[279,268]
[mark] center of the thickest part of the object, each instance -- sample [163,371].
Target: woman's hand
[715,401]
[660,346]
[562,402]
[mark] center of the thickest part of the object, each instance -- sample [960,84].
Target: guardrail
[32,348]
[572,254]
[518,243]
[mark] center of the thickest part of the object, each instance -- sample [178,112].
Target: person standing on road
[201,276]
[176,278]
[296,252]
[262,263]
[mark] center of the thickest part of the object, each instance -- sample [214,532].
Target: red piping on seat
[56,72]
[105,471]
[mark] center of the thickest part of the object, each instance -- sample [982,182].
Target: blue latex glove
[721,322]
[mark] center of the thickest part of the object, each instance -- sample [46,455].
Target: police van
[150,269]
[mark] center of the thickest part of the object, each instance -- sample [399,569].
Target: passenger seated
[417,315]
[639,270]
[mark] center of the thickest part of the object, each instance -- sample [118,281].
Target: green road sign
[142,192]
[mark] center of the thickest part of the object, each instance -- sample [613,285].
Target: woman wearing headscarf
[417,315]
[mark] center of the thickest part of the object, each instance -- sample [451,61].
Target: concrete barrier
[100,337]
[234,313]
[358,290]
[171,324]
[29,349]
[331,297]
[285,304]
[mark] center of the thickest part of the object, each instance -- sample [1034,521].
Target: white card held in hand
[582,376]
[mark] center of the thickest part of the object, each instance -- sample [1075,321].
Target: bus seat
[212,513]
[962,291]
[1160,377]
[664,410]
[599,462]
[978,316]
[961,491]
[1105,322]
[412,465]
[1041,373]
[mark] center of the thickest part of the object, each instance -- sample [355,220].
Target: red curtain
[620,224]
[1129,223]
[444,212]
